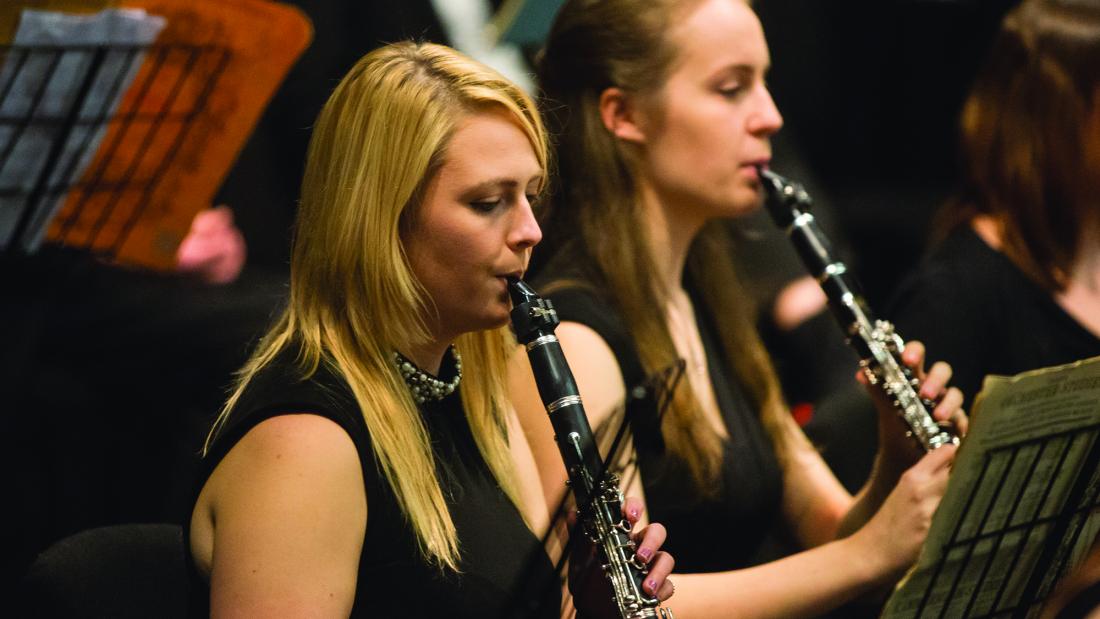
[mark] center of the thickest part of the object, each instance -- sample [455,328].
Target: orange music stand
[175,133]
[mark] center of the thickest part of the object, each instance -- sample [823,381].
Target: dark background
[870,91]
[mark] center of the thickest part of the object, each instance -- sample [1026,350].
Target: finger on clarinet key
[651,539]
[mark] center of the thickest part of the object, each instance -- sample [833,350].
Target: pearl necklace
[423,386]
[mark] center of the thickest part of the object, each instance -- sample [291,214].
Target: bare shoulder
[527,473]
[298,438]
[290,453]
[595,368]
[600,383]
[286,510]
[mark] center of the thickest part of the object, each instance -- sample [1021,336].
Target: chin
[497,321]
[745,200]
[484,317]
[497,316]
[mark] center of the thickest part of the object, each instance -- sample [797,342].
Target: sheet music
[41,87]
[1021,505]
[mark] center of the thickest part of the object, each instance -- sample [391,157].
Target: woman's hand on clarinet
[591,590]
[649,540]
[934,387]
[906,484]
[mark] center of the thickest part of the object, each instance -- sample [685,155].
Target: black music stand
[1003,559]
[68,123]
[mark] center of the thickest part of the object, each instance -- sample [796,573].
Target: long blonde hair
[354,299]
[595,215]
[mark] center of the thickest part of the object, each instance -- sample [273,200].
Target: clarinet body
[878,346]
[597,493]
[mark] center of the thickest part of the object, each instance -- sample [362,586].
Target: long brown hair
[1030,137]
[354,298]
[595,215]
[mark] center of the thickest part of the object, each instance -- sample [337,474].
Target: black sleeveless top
[503,570]
[738,526]
[974,308]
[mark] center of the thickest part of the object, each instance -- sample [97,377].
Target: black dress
[972,307]
[737,526]
[503,570]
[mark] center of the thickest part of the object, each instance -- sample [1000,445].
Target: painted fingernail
[651,584]
[645,553]
[634,514]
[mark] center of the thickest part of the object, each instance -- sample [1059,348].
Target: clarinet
[878,346]
[596,491]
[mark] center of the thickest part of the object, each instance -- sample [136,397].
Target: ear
[620,115]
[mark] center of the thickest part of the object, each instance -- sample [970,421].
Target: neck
[989,230]
[1081,298]
[1085,275]
[427,357]
[1086,272]
[670,229]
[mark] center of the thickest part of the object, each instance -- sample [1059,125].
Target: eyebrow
[506,183]
[745,68]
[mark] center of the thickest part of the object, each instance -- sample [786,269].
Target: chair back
[132,570]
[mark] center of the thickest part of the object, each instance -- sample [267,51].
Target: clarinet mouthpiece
[531,314]
[783,198]
[520,292]
[773,182]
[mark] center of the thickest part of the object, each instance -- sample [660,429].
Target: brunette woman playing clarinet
[367,461]
[662,117]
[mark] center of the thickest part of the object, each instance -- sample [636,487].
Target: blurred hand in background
[214,250]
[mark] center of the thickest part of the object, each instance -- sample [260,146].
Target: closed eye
[731,91]
[485,206]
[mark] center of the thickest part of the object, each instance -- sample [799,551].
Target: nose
[525,232]
[767,120]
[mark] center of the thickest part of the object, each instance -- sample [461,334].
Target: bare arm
[288,512]
[534,506]
[601,386]
[805,584]
[814,502]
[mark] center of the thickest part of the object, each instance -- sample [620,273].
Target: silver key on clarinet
[878,346]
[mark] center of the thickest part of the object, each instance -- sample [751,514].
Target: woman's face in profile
[475,226]
[709,125]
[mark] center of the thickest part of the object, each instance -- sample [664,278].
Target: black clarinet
[878,346]
[599,499]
